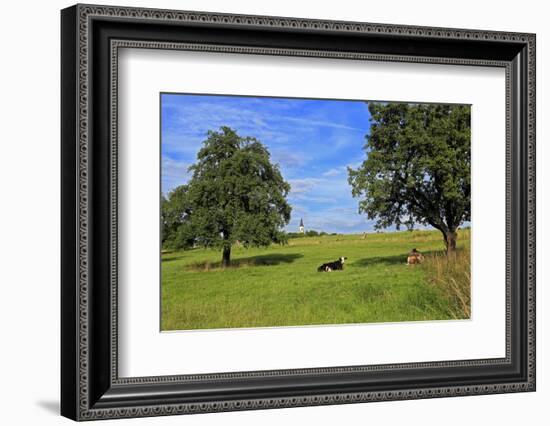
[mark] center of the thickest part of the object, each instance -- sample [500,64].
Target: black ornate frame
[91,37]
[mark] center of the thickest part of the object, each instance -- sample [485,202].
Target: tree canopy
[235,194]
[417,168]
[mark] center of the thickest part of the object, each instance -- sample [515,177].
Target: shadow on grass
[260,260]
[172,258]
[387,260]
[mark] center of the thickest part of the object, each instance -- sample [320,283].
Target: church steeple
[301,226]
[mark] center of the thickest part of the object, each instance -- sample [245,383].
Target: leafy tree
[417,168]
[176,225]
[164,232]
[236,194]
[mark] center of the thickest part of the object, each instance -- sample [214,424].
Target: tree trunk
[226,257]
[450,242]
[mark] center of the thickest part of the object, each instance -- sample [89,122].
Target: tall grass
[452,276]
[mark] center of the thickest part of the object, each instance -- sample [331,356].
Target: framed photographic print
[263,212]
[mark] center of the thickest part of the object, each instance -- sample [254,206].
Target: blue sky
[313,141]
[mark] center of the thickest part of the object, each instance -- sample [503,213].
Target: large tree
[236,194]
[417,168]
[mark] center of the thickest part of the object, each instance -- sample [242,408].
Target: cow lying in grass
[337,265]
[415,257]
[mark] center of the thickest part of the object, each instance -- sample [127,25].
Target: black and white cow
[337,265]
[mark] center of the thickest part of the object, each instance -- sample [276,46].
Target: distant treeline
[310,233]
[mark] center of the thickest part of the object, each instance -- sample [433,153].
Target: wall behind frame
[29,218]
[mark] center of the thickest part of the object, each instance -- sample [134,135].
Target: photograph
[279,212]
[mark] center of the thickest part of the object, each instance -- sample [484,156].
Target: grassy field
[280,285]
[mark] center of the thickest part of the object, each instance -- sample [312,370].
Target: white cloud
[287,158]
[319,122]
[191,120]
[174,173]
[335,171]
[304,185]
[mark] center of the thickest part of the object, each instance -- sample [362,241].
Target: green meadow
[280,285]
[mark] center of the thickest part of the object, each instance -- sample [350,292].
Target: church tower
[301,229]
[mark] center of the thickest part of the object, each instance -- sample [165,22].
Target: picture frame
[90,385]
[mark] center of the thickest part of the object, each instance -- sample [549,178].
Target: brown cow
[415,257]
